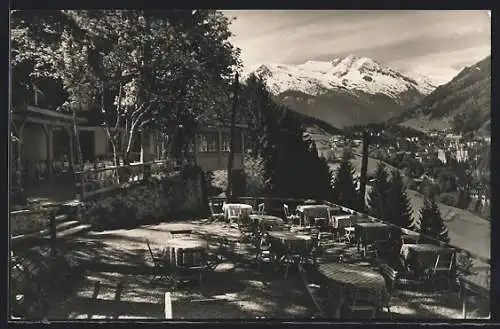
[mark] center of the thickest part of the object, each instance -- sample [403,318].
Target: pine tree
[291,165]
[344,190]
[431,222]
[378,196]
[321,176]
[399,211]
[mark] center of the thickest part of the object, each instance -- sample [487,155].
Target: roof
[37,111]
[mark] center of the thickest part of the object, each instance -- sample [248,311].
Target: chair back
[287,210]
[343,221]
[261,208]
[234,212]
[211,206]
[151,252]
[332,220]
[315,237]
[264,242]
[444,260]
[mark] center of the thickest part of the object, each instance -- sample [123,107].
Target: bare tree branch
[118,106]
[136,111]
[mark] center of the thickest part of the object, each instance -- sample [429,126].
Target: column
[242,132]
[50,147]
[195,148]
[71,150]
[141,137]
[19,155]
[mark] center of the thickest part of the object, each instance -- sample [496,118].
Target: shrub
[254,172]
[220,179]
[142,203]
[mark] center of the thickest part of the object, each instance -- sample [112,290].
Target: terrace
[249,280]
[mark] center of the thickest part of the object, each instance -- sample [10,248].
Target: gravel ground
[235,291]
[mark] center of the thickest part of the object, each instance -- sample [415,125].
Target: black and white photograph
[249,165]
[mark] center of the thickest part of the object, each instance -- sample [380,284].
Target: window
[207,142]
[190,147]
[226,142]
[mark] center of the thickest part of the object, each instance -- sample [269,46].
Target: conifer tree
[344,190]
[431,222]
[321,176]
[399,211]
[378,196]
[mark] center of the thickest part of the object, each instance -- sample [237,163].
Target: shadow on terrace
[252,281]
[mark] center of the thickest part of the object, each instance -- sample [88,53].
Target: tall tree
[133,66]
[291,165]
[229,190]
[399,211]
[344,189]
[378,197]
[320,182]
[431,222]
[256,104]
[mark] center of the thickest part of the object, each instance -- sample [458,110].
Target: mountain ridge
[468,94]
[344,91]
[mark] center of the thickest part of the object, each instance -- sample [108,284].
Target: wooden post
[168,306]
[363,174]
[53,254]
[229,190]
[71,149]
[53,233]
[118,294]
[195,142]
[242,133]
[82,185]
[50,147]
[219,143]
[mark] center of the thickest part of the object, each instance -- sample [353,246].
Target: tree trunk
[79,155]
[363,174]
[229,190]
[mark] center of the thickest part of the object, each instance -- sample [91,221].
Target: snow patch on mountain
[350,73]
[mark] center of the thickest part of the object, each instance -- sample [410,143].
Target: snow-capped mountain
[351,72]
[344,91]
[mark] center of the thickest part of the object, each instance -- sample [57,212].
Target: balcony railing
[94,181]
[473,271]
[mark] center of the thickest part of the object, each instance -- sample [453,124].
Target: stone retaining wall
[151,200]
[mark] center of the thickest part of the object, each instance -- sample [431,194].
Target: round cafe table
[355,281]
[185,252]
[239,208]
[291,249]
[294,243]
[265,221]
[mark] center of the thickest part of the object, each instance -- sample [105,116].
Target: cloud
[432,65]
[410,39]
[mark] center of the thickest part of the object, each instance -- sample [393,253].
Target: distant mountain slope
[467,96]
[346,91]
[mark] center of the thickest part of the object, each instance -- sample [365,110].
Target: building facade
[45,145]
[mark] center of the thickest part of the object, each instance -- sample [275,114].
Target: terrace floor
[123,268]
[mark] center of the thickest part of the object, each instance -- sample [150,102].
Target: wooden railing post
[53,255]
[53,233]
[82,185]
[168,306]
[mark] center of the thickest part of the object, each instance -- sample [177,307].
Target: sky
[436,44]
